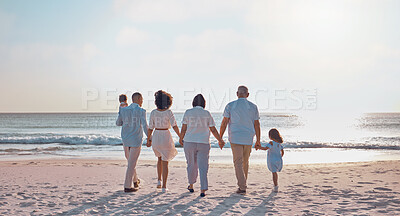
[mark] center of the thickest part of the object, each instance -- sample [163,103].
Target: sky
[78,56]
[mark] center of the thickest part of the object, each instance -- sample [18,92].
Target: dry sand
[88,187]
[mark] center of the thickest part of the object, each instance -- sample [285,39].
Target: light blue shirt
[242,114]
[133,121]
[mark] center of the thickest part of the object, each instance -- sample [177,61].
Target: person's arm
[183,132]
[258,133]
[144,123]
[263,148]
[282,152]
[224,123]
[214,131]
[119,120]
[176,129]
[149,133]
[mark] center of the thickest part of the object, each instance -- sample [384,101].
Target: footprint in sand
[365,183]
[383,189]
[26,204]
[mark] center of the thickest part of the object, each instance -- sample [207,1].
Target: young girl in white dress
[161,120]
[275,154]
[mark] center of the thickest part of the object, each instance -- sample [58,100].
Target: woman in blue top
[275,154]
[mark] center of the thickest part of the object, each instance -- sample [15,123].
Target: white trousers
[131,175]
[197,155]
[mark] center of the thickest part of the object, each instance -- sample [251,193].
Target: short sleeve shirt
[198,123]
[242,114]
[162,119]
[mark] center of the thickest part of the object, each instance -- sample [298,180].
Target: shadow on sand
[262,209]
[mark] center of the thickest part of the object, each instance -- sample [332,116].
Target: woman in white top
[195,139]
[161,120]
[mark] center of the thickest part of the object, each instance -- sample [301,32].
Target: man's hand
[221,144]
[148,143]
[257,145]
[181,141]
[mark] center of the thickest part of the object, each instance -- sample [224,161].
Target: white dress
[162,143]
[274,157]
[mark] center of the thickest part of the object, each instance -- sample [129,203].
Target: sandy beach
[86,187]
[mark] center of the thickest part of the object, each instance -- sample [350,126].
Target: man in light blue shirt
[242,118]
[133,121]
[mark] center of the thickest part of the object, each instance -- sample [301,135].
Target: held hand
[148,143]
[221,144]
[181,142]
[257,145]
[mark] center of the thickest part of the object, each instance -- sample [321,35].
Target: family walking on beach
[240,116]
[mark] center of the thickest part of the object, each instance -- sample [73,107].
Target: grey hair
[242,90]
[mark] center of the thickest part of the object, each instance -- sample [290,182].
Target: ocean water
[310,137]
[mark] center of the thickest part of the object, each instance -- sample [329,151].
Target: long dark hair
[275,135]
[163,100]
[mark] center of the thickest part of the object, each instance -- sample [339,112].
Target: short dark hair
[199,100]
[136,94]
[274,135]
[122,98]
[163,100]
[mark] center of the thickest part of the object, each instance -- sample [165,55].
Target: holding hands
[181,141]
[257,145]
[148,142]
[221,143]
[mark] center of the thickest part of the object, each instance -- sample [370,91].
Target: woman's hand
[221,144]
[181,141]
[148,143]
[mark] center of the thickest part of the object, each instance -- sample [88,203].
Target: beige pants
[241,155]
[131,175]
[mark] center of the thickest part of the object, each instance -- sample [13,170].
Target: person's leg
[275,178]
[134,156]
[159,169]
[202,159]
[126,150]
[164,173]
[246,156]
[131,169]
[190,149]
[237,152]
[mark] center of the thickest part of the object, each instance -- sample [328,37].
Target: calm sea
[94,135]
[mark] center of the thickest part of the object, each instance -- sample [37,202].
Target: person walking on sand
[242,118]
[161,120]
[275,154]
[195,139]
[133,121]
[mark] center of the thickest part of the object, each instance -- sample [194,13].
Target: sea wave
[388,143]
[71,139]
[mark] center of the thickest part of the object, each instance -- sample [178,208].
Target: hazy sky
[56,54]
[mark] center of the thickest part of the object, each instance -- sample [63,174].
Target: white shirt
[198,123]
[133,121]
[242,114]
[161,119]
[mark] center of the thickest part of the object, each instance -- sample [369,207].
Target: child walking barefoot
[275,153]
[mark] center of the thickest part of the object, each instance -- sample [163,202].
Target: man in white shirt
[133,121]
[242,117]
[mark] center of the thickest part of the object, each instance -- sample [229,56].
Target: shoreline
[100,161]
[217,156]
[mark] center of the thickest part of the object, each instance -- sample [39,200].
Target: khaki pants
[131,169]
[241,154]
